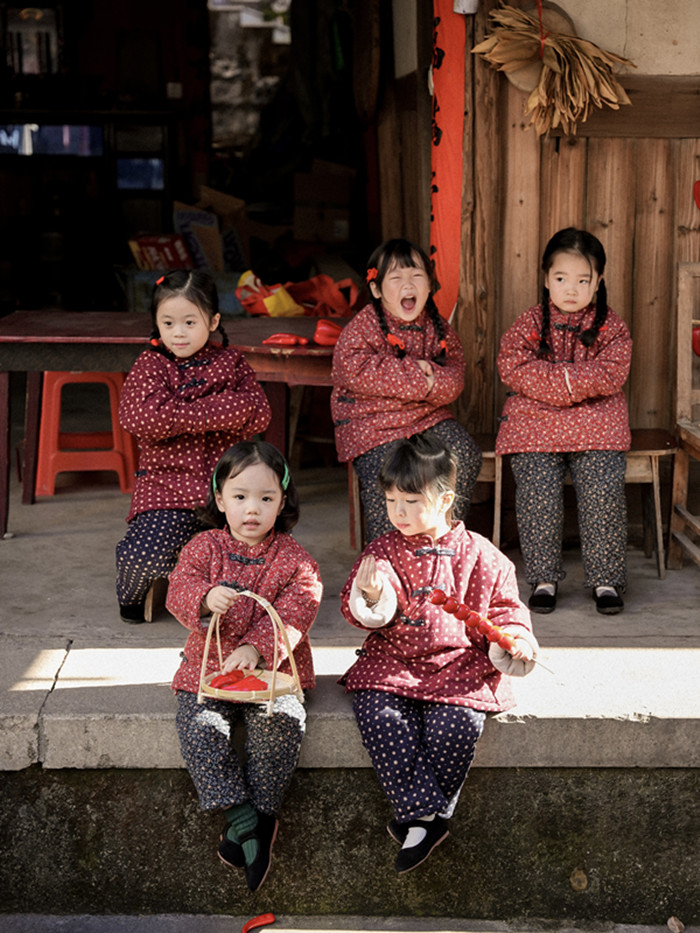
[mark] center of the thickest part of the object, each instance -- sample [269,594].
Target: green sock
[242,819]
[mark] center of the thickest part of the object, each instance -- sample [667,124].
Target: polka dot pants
[421,751]
[271,750]
[367,467]
[149,550]
[598,477]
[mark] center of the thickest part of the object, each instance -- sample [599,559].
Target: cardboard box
[215,230]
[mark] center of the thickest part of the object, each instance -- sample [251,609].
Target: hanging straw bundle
[575,76]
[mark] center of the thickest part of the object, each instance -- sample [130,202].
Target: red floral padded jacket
[573,401]
[424,652]
[377,397]
[185,414]
[278,568]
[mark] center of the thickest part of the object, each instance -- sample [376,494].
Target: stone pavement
[170,923]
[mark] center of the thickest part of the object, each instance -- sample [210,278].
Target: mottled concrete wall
[661,39]
[565,844]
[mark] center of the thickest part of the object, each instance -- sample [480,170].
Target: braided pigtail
[588,337]
[583,243]
[440,357]
[224,336]
[544,350]
[394,341]
[402,253]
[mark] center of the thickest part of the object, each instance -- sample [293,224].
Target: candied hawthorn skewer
[473,620]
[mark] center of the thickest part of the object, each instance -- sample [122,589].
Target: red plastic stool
[74,451]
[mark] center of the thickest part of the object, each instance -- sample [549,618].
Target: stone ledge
[595,711]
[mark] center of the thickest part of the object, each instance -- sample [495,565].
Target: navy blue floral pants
[598,477]
[149,550]
[421,751]
[271,749]
[368,465]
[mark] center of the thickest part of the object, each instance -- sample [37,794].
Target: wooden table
[109,341]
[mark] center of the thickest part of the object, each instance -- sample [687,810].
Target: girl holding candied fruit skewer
[424,681]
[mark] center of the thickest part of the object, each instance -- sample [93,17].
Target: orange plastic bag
[322,296]
[319,296]
[271,300]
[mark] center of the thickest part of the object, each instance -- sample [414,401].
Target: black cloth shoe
[266,833]
[133,614]
[397,831]
[609,604]
[436,832]
[230,852]
[543,601]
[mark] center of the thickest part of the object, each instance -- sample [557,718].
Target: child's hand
[220,599]
[518,661]
[244,658]
[522,651]
[368,579]
[428,371]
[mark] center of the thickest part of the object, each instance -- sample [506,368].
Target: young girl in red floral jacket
[565,362]
[187,399]
[424,681]
[252,506]
[397,366]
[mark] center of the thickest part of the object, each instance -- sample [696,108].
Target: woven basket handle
[277,625]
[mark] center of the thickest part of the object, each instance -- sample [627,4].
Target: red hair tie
[443,345]
[154,341]
[371,275]
[396,341]
[160,280]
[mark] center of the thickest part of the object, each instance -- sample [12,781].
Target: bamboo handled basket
[278,684]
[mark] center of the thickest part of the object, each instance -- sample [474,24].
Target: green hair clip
[284,482]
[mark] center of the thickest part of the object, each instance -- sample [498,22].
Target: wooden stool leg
[660,561]
[679,496]
[647,497]
[4,451]
[497,494]
[355,509]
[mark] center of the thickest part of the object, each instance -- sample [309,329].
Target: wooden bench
[648,446]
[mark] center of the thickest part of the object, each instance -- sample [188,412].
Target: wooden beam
[662,106]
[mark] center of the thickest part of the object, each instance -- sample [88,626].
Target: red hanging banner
[449,37]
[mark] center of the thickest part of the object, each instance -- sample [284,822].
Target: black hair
[196,286]
[571,240]
[403,253]
[234,461]
[422,463]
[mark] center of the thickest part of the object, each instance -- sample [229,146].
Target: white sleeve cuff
[504,663]
[374,616]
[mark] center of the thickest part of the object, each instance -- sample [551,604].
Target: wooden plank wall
[635,192]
